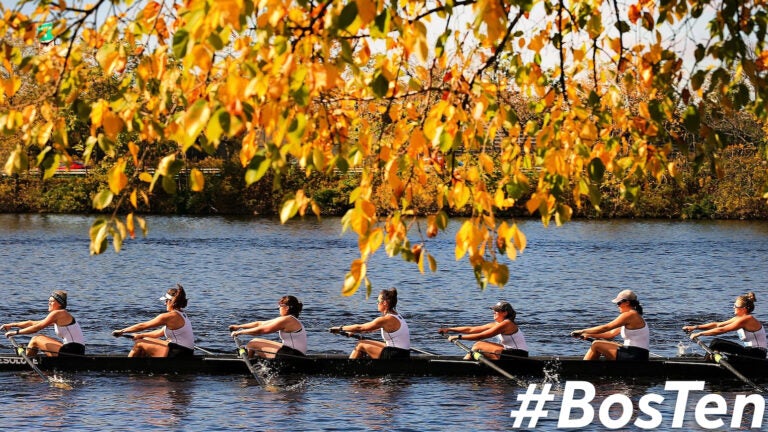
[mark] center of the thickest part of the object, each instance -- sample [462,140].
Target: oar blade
[243,354]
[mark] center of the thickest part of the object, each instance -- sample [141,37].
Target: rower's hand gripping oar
[339,331]
[479,357]
[718,358]
[20,350]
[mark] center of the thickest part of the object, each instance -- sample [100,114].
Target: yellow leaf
[518,238]
[366,10]
[145,177]
[134,201]
[290,207]
[196,180]
[113,125]
[463,239]
[498,275]
[354,277]
[432,263]
[129,223]
[486,162]
[134,150]
[376,238]
[421,261]
[116,177]
[588,131]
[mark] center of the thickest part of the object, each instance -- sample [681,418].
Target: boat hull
[556,368]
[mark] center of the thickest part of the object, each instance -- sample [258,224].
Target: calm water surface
[235,270]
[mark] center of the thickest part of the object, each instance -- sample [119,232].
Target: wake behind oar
[480,358]
[20,350]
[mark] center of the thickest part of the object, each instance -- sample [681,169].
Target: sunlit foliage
[506,100]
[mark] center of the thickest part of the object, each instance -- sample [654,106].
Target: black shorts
[288,351]
[72,348]
[392,353]
[514,352]
[178,351]
[631,353]
[730,347]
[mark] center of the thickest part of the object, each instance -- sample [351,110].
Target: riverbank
[735,194]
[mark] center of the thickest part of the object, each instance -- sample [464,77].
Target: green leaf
[348,15]
[102,199]
[257,167]
[596,170]
[692,119]
[380,85]
[381,24]
[623,26]
[169,185]
[216,42]
[180,42]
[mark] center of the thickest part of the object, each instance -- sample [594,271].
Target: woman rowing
[746,326]
[179,338]
[394,331]
[503,326]
[288,328]
[64,325]
[630,324]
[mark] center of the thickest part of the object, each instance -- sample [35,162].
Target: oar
[479,357]
[337,330]
[718,358]
[20,350]
[209,351]
[243,352]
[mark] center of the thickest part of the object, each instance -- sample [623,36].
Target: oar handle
[118,333]
[339,331]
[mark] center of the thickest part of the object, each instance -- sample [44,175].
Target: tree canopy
[549,102]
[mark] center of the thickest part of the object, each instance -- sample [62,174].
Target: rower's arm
[368,327]
[20,324]
[613,327]
[36,326]
[465,329]
[157,321]
[265,327]
[732,324]
[245,326]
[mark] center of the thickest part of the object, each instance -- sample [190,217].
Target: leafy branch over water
[549,107]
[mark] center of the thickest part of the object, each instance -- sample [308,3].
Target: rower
[630,324]
[394,331]
[288,327]
[749,329]
[179,338]
[511,338]
[64,325]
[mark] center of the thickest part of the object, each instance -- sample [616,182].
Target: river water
[235,270]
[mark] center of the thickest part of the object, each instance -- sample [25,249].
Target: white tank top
[637,338]
[296,340]
[401,338]
[181,336]
[70,333]
[753,339]
[515,340]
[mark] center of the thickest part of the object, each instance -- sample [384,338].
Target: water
[236,269]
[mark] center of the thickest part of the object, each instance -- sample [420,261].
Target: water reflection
[236,267]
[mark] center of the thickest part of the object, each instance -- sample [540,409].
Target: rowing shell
[561,368]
